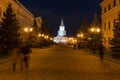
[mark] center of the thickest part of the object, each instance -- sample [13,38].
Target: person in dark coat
[26,55]
[101,50]
[16,58]
[94,47]
[74,46]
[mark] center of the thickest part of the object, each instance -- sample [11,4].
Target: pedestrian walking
[26,56]
[78,45]
[15,57]
[74,46]
[94,47]
[101,50]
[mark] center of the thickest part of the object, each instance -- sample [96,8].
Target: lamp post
[95,38]
[79,39]
[27,30]
[80,36]
[95,31]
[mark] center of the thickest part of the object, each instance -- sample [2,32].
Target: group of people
[21,57]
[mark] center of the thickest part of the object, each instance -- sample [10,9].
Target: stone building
[109,13]
[25,17]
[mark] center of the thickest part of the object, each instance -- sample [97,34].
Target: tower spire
[62,23]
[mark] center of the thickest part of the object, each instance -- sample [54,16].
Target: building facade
[24,16]
[109,13]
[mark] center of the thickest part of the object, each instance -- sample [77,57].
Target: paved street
[63,63]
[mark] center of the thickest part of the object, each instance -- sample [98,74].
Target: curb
[5,60]
[108,59]
[113,60]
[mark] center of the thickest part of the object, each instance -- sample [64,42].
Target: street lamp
[80,35]
[27,30]
[39,35]
[51,39]
[79,39]
[31,29]
[95,38]
[95,30]
[46,37]
[42,35]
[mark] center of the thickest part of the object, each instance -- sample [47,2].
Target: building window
[114,22]
[114,3]
[109,39]
[105,10]
[0,12]
[105,26]
[109,7]
[109,25]
[104,40]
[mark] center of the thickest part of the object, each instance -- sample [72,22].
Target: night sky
[72,11]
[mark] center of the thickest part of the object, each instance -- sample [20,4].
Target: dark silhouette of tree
[9,30]
[115,41]
[96,22]
[84,28]
[44,29]
[96,36]
[35,26]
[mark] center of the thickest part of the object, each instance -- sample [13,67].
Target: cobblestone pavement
[62,63]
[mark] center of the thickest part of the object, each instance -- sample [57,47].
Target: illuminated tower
[62,31]
[61,37]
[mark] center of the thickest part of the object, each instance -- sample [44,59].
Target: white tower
[61,37]
[62,31]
